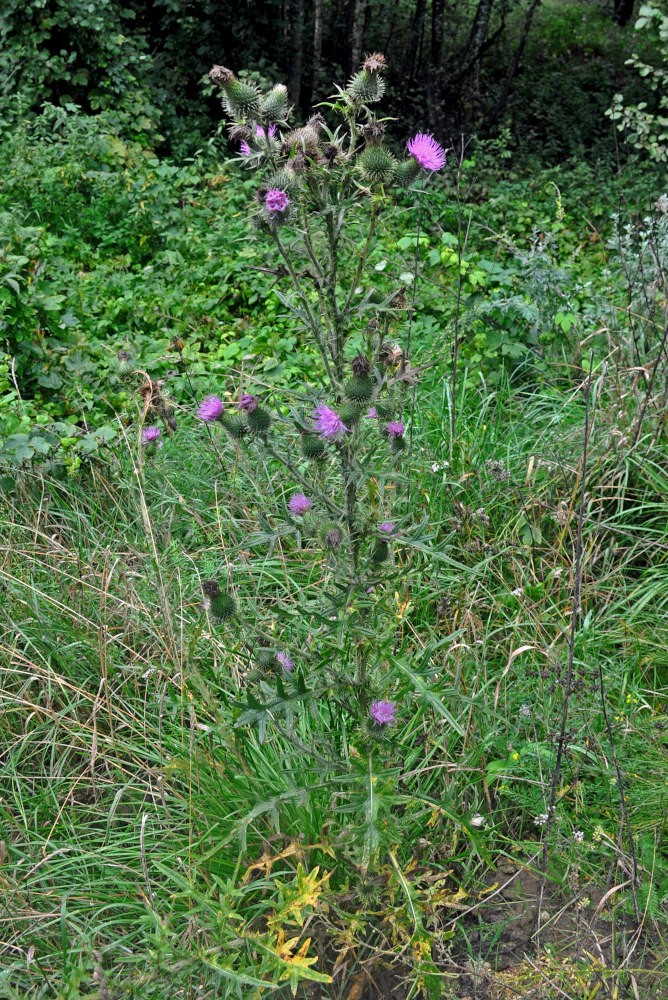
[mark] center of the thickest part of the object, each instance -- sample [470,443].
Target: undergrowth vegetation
[263,741]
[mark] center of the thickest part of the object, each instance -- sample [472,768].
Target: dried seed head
[361,365]
[374,132]
[316,122]
[399,301]
[374,63]
[123,355]
[210,588]
[221,75]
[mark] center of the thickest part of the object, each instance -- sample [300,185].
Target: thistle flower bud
[373,132]
[406,171]
[383,410]
[274,107]
[259,421]
[366,87]
[359,389]
[380,552]
[398,443]
[361,365]
[222,606]
[313,448]
[124,365]
[235,425]
[350,414]
[241,99]
[265,658]
[377,164]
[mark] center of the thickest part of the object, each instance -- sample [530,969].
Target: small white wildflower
[436,467]
[477,821]
[578,835]
[541,819]
[517,592]
[525,712]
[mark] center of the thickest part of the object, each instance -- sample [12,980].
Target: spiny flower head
[386,527]
[260,133]
[395,428]
[328,423]
[151,434]
[248,402]
[383,712]
[426,151]
[211,408]
[299,503]
[285,661]
[372,414]
[276,200]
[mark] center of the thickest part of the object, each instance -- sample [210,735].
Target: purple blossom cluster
[299,503]
[328,423]
[285,661]
[150,435]
[276,200]
[248,403]
[395,429]
[383,712]
[211,408]
[426,151]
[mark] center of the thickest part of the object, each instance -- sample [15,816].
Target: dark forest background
[540,73]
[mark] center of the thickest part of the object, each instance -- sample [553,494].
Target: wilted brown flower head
[374,132]
[389,354]
[210,588]
[261,194]
[333,539]
[239,133]
[315,122]
[399,301]
[361,366]
[374,63]
[330,151]
[373,324]
[221,75]
[299,162]
[124,355]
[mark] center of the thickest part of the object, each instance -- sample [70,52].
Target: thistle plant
[325,193]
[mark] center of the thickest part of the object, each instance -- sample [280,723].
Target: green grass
[133,804]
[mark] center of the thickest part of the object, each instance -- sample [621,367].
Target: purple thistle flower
[151,434]
[426,151]
[387,528]
[395,428]
[244,149]
[299,503]
[328,423]
[285,661]
[248,402]
[372,413]
[276,200]
[211,408]
[383,712]
[261,134]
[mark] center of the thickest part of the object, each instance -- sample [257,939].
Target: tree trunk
[296,13]
[623,11]
[414,39]
[501,103]
[357,35]
[437,14]
[477,38]
[317,47]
